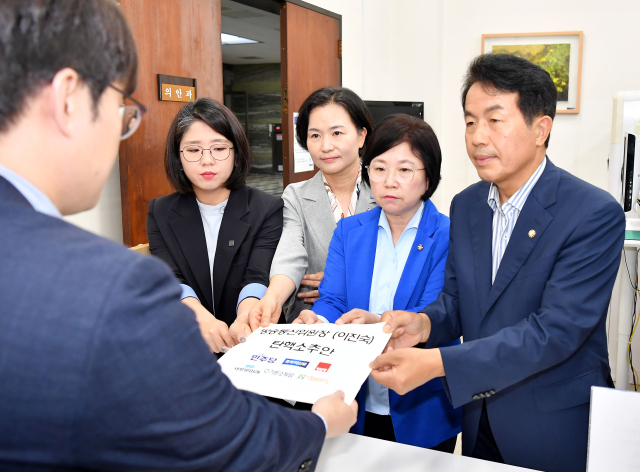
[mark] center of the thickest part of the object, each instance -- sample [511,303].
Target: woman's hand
[214,332]
[307,317]
[311,280]
[217,336]
[358,316]
[264,312]
[240,329]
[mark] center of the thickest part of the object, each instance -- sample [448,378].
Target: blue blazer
[423,417]
[102,367]
[536,336]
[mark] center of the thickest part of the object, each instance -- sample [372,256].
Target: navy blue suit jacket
[537,335]
[102,367]
[423,417]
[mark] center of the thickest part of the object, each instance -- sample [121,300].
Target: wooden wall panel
[173,37]
[310,61]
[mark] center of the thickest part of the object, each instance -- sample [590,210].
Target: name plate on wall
[176,89]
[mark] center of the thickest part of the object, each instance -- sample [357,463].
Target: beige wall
[419,50]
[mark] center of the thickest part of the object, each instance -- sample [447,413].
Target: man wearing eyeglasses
[101,366]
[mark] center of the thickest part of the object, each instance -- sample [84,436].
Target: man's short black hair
[348,99]
[394,130]
[537,94]
[38,38]
[221,120]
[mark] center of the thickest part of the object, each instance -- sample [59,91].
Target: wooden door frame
[273,6]
[269,5]
[288,174]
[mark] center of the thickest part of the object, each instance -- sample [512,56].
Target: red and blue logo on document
[323,367]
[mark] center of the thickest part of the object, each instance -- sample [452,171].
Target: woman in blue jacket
[392,258]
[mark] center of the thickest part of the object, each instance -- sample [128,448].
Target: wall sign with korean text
[176,89]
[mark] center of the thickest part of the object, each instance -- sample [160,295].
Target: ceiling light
[231,39]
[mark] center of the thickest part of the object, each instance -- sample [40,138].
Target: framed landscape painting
[560,54]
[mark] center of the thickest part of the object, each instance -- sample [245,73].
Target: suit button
[306,465]
[482,395]
[475,397]
[492,391]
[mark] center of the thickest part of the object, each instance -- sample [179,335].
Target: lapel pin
[420,247]
[231,243]
[532,233]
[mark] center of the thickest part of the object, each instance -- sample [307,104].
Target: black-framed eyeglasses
[131,114]
[219,151]
[403,174]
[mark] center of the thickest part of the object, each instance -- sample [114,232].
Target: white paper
[614,430]
[305,362]
[302,161]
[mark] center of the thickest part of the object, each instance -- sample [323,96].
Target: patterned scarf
[338,214]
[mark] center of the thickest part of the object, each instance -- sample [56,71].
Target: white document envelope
[305,362]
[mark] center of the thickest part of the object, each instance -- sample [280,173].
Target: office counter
[354,453]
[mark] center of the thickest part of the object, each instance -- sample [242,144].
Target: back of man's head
[38,38]
[537,94]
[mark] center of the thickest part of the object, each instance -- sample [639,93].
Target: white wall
[579,143]
[106,218]
[418,50]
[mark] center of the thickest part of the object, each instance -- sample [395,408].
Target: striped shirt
[505,217]
[38,200]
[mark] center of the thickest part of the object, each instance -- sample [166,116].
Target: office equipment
[380,109]
[624,170]
[275,133]
[629,157]
[624,185]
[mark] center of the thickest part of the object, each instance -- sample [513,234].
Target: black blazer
[248,237]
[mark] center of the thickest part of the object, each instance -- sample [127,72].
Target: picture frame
[559,53]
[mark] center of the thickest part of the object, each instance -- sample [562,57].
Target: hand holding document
[305,362]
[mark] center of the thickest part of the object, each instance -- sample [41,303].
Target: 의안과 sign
[176,89]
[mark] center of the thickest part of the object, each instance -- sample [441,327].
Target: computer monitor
[628,170]
[380,109]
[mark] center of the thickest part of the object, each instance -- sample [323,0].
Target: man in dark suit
[101,366]
[533,255]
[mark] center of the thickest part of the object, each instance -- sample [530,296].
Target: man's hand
[265,312]
[307,317]
[406,369]
[311,280]
[339,416]
[358,316]
[240,329]
[407,328]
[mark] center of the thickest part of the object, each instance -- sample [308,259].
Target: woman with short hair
[217,234]
[333,125]
[393,258]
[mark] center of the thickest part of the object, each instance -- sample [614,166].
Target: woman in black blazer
[217,235]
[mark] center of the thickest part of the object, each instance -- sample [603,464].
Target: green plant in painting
[554,58]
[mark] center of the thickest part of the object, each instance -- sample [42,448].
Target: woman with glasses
[333,125]
[393,258]
[217,234]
